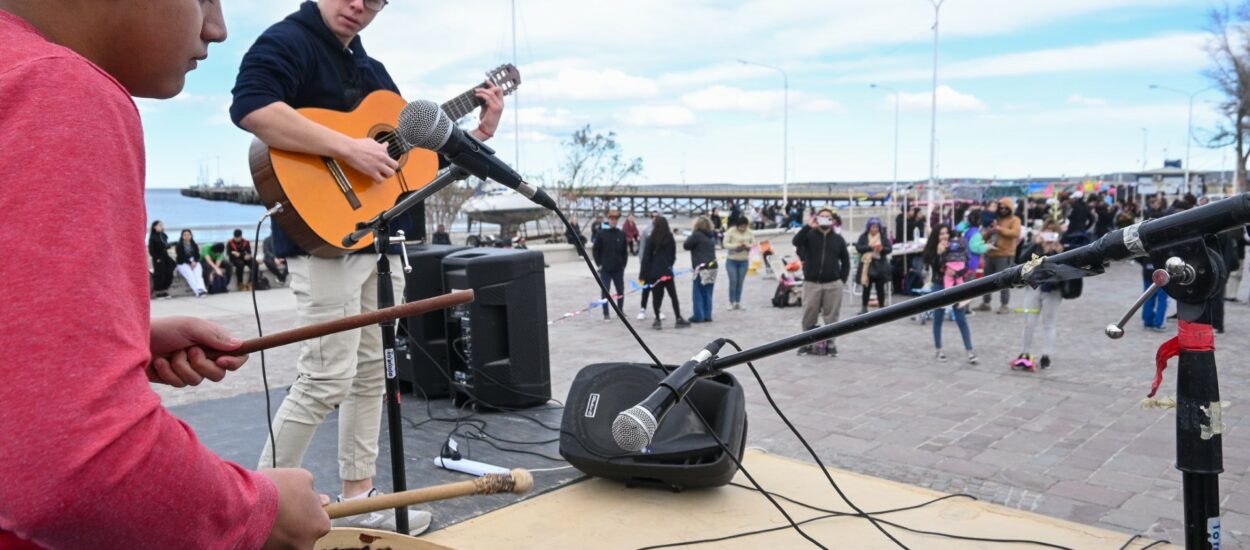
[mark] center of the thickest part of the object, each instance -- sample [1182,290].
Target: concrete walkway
[1069,442]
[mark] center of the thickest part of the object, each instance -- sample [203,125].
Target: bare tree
[1229,48]
[443,206]
[593,160]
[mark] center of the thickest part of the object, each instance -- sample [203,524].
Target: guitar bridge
[344,184]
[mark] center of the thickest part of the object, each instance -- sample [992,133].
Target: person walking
[874,262]
[702,246]
[826,266]
[611,255]
[1001,254]
[1041,303]
[947,257]
[659,254]
[739,240]
[162,264]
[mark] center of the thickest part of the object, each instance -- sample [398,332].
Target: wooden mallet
[517,481]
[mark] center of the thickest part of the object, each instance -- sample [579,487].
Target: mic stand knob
[1176,270]
[399,239]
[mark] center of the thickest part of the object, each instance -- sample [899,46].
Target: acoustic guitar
[323,198]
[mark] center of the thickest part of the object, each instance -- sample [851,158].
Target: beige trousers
[344,370]
[821,300]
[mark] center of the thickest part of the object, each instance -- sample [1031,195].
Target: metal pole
[1189,137]
[516,100]
[937,6]
[894,186]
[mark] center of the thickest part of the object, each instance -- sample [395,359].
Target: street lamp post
[937,6]
[1189,125]
[785,136]
[894,187]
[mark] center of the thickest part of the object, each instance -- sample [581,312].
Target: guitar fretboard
[462,104]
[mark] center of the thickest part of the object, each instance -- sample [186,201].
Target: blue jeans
[702,301]
[608,278]
[939,315]
[737,273]
[1155,311]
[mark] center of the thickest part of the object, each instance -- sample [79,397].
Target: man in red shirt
[89,457]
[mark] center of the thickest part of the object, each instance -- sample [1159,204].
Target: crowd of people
[208,268]
[957,242]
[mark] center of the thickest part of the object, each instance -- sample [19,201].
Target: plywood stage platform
[601,514]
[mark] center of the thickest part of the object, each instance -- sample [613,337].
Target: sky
[1054,88]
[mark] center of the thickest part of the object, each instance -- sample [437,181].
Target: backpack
[783,297]
[217,284]
[262,283]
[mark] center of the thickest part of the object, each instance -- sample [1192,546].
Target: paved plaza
[1070,442]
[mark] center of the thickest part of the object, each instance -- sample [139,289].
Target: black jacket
[610,251]
[441,238]
[702,247]
[181,252]
[657,261]
[824,255]
[299,61]
[158,247]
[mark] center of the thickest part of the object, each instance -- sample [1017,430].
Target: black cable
[1146,547]
[811,451]
[264,374]
[581,249]
[829,514]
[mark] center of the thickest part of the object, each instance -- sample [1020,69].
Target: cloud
[581,84]
[1078,99]
[543,117]
[732,99]
[948,101]
[1161,53]
[658,116]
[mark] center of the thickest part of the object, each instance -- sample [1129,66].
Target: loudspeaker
[424,371]
[497,345]
[682,455]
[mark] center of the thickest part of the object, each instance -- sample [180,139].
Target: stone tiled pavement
[1070,442]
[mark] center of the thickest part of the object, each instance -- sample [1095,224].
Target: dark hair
[661,235]
[238,232]
[974,218]
[154,224]
[186,232]
[218,248]
[930,246]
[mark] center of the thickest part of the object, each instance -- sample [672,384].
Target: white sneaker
[418,520]
[663,317]
[642,315]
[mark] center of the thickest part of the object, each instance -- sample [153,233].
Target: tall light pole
[1189,129]
[894,187]
[785,132]
[937,6]
[516,100]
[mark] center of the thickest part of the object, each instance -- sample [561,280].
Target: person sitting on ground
[187,256]
[240,256]
[276,265]
[217,275]
[162,264]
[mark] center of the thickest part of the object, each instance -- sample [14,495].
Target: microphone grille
[423,124]
[634,428]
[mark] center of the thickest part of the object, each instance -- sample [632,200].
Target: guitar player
[315,58]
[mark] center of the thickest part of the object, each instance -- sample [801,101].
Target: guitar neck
[462,104]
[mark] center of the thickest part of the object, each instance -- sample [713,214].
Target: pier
[229,193]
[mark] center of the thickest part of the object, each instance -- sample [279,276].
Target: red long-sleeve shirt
[88,456]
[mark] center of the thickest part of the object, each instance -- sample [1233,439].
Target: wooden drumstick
[517,481]
[347,323]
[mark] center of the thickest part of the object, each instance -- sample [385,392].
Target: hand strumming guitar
[368,157]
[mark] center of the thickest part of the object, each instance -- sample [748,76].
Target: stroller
[789,290]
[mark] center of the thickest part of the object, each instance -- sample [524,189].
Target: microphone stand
[1194,273]
[379,226]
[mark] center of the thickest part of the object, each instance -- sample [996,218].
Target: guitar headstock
[505,76]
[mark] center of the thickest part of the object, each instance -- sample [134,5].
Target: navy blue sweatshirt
[299,61]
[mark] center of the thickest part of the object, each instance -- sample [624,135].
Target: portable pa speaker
[422,351]
[682,455]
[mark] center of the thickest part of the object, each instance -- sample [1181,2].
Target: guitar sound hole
[394,147]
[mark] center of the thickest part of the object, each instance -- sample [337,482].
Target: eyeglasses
[376,5]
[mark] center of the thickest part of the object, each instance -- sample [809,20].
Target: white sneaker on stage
[418,520]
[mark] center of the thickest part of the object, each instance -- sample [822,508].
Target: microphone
[423,124]
[634,428]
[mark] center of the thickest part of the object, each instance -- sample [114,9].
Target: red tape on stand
[1190,337]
